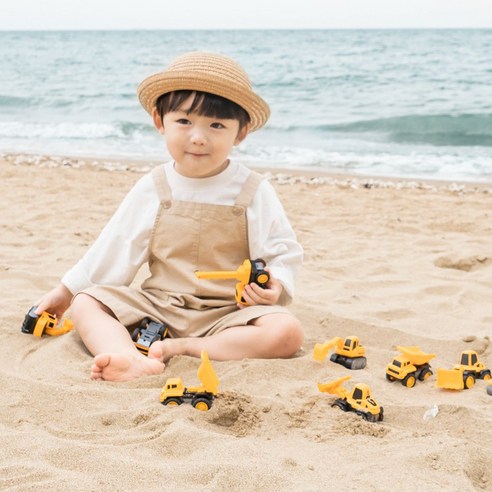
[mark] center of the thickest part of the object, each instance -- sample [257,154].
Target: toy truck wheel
[202,404]
[135,334]
[468,380]
[342,404]
[409,381]
[485,375]
[172,402]
[370,417]
[426,373]
[356,363]
[390,378]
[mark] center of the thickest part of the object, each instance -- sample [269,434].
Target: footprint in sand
[466,264]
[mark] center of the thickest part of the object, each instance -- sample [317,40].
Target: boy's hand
[56,301]
[253,294]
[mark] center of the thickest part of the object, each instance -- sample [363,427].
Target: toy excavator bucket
[415,355]
[207,376]
[333,387]
[321,349]
[449,379]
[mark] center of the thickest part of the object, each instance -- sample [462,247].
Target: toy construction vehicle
[464,374]
[411,365]
[347,352]
[201,397]
[250,271]
[358,400]
[38,324]
[147,333]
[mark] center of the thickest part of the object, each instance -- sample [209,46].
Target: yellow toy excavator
[358,400]
[250,271]
[349,353]
[201,397]
[37,324]
[464,374]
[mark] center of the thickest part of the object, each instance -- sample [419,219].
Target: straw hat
[206,72]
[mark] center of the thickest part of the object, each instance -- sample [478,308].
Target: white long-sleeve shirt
[122,247]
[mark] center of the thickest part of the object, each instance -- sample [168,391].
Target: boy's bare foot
[164,349]
[124,367]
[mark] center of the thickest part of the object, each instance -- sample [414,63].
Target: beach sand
[394,263]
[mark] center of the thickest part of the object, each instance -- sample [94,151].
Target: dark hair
[203,104]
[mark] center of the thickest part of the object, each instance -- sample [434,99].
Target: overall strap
[248,190]
[161,184]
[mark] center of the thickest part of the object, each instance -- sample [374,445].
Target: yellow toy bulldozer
[358,400]
[464,374]
[411,365]
[349,353]
[251,271]
[201,397]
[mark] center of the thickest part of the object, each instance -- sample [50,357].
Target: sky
[246,14]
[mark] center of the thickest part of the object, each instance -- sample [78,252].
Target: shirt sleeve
[122,246]
[272,238]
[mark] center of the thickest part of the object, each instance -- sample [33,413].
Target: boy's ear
[159,125]
[241,134]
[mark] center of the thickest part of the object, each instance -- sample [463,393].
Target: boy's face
[199,145]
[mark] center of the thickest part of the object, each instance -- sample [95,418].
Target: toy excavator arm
[321,349]
[335,387]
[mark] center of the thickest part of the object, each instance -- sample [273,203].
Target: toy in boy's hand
[464,374]
[358,400]
[349,353]
[201,397]
[37,324]
[147,333]
[251,271]
[411,365]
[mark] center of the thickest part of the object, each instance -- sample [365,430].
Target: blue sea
[399,103]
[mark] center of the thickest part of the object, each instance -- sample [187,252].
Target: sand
[394,263]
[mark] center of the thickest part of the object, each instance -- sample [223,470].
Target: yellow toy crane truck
[201,397]
[349,353]
[411,365]
[37,324]
[358,400]
[251,271]
[464,374]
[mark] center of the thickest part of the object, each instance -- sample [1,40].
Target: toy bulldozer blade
[207,375]
[454,379]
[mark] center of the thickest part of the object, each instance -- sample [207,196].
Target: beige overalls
[186,237]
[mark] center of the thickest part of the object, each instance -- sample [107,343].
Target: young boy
[199,212]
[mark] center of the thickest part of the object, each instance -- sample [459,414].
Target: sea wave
[441,129]
[72,131]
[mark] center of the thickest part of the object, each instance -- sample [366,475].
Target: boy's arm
[272,238]
[122,246]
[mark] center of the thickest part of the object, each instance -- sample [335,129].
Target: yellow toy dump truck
[411,365]
[201,397]
[347,352]
[464,374]
[358,400]
[251,271]
[38,324]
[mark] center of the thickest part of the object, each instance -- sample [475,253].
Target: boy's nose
[198,137]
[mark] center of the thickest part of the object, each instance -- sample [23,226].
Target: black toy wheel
[426,373]
[469,380]
[409,381]
[135,334]
[172,402]
[390,378]
[202,404]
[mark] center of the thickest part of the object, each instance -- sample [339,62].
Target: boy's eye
[183,121]
[217,125]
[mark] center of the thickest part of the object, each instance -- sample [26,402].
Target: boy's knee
[289,335]
[294,336]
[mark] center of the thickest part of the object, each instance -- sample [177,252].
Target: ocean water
[400,103]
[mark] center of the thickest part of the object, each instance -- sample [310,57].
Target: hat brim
[156,85]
